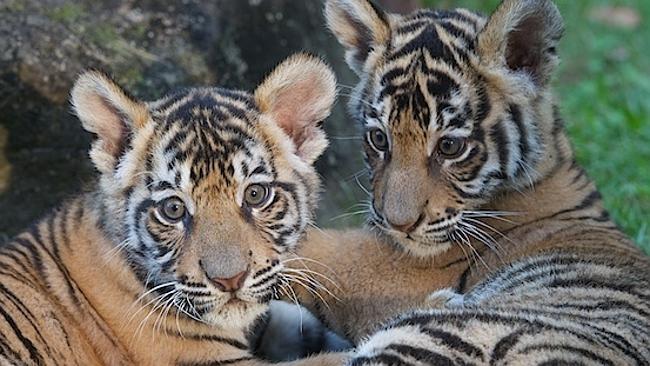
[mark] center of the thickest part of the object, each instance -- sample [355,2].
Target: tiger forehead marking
[210,131]
[422,84]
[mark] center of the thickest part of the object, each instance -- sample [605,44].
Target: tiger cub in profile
[475,187]
[179,246]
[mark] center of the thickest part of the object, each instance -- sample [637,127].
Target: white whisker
[316,285]
[471,247]
[314,273]
[348,214]
[290,278]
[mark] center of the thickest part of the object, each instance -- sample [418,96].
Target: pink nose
[407,227]
[231,284]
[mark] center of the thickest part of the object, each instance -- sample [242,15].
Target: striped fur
[110,278]
[552,309]
[509,223]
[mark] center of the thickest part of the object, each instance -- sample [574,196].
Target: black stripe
[9,253]
[173,98]
[36,259]
[464,194]
[484,106]
[7,351]
[24,311]
[504,345]
[457,32]
[454,342]
[238,95]
[587,202]
[382,359]
[593,283]
[263,281]
[428,40]
[34,355]
[605,305]
[559,362]
[214,363]
[524,148]
[500,140]
[70,285]
[15,276]
[462,280]
[212,338]
[422,355]
[56,255]
[412,26]
[262,271]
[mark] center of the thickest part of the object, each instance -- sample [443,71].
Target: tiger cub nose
[408,226]
[231,284]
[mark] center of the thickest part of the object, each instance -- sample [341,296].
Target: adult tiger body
[475,188]
[178,248]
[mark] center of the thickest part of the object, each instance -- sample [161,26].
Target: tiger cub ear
[109,112]
[522,36]
[298,95]
[361,27]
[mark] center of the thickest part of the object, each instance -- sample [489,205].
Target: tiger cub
[179,246]
[475,188]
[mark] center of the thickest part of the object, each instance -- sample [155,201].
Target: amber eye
[256,195]
[451,147]
[172,209]
[378,139]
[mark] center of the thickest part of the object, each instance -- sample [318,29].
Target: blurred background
[152,47]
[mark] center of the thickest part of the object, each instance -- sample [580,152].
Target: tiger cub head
[205,190]
[455,107]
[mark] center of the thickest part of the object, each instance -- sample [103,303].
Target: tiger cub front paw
[445,299]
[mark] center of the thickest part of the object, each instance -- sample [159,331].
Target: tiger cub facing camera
[180,244]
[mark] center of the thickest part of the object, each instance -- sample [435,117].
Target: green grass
[67,13]
[603,87]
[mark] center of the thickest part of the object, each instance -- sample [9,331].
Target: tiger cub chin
[179,245]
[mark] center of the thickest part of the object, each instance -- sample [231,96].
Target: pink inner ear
[115,143]
[109,125]
[295,112]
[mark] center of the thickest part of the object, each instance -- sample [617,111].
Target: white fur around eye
[374,123]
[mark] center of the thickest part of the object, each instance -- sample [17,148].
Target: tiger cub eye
[173,209]
[256,195]
[378,139]
[451,147]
